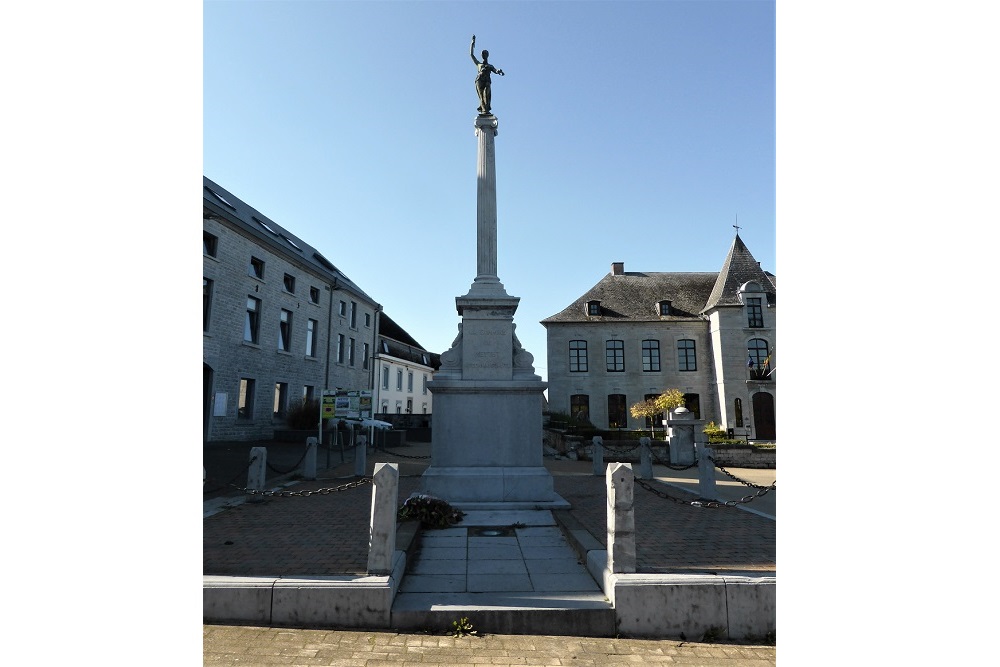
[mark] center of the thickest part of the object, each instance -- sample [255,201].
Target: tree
[670,399]
[647,409]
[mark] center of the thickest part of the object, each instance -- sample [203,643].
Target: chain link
[771,487]
[294,467]
[404,456]
[305,494]
[711,504]
[667,464]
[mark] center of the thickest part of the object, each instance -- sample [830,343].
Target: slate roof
[220,202]
[402,345]
[634,296]
[739,267]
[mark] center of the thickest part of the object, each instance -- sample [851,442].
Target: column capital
[486,121]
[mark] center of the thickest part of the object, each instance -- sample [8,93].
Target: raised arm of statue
[472,51]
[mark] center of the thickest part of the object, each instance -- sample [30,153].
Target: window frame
[208,288]
[578,356]
[245,399]
[312,327]
[614,411]
[285,330]
[256,268]
[614,356]
[288,282]
[687,355]
[649,363]
[314,295]
[755,312]
[210,245]
[251,325]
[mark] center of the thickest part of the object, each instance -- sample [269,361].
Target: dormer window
[593,308]
[663,307]
[754,300]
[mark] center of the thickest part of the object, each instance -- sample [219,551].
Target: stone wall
[735,456]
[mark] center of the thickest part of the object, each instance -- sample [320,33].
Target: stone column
[598,456]
[706,472]
[486,201]
[382,528]
[361,455]
[645,459]
[621,518]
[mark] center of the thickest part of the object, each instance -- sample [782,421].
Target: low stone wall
[733,456]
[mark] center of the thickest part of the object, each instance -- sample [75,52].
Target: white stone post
[645,459]
[706,472]
[382,528]
[360,455]
[309,462]
[256,475]
[598,456]
[620,482]
[682,427]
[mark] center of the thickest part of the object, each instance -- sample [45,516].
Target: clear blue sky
[628,131]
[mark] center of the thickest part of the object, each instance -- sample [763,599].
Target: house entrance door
[763,415]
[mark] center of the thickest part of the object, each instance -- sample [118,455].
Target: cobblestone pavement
[327,533]
[255,646]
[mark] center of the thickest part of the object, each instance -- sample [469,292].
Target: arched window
[738,410]
[616,411]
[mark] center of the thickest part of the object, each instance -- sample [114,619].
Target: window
[685,356]
[354,315]
[579,407]
[314,294]
[756,356]
[755,312]
[693,404]
[263,224]
[285,331]
[616,411]
[289,283]
[207,302]
[738,409]
[251,328]
[308,391]
[593,307]
[385,379]
[615,356]
[211,246]
[245,410]
[256,268]
[340,348]
[385,347]
[663,307]
[409,406]
[399,380]
[409,382]
[343,308]
[650,355]
[577,356]
[368,319]
[399,407]
[364,360]
[424,389]
[280,398]
[350,351]
[311,337]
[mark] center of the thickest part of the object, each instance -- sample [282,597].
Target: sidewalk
[259,647]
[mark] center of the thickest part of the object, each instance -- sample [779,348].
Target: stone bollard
[256,475]
[706,472]
[598,456]
[645,459]
[620,482]
[309,462]
[361,455]
[382,528]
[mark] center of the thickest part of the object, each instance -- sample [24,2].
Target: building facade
[281,323]
[403,369]
[635,335]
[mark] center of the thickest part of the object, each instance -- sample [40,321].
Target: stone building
[634,335]
[281,323]
[402,370]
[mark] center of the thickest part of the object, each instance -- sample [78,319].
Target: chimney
[617,268]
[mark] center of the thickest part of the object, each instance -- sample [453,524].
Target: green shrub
[303,416]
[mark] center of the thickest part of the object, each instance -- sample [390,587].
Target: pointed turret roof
[739,267]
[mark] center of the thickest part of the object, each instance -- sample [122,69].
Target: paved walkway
[259,647]
[294,532]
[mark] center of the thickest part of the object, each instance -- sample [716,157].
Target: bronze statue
[483,81]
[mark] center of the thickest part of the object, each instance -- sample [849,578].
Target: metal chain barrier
[235,477]
[622,450]
[771,487]
[305,494]
[667,464]
[404,456]
[712,504]
[294,467]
